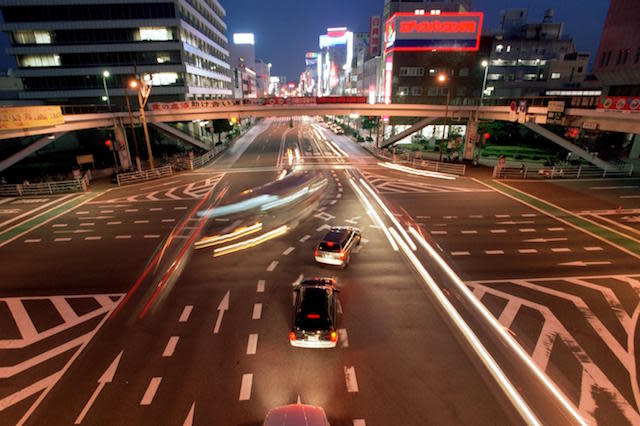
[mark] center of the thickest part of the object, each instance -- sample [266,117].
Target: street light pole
[442,79]
[105,75]
[144,89]
[485,64]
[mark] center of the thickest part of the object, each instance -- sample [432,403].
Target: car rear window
[333,241]
[330,246]
[313,309]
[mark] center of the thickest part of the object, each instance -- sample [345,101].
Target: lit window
[508,48]
[163,57]
[154,34]
[40,61]
[432,72]
[32,37]
[164,78]
[403,91]
[555,76]
[416,91]
[529,77]
[499,48]
[495,76]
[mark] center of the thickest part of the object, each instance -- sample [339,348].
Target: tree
[220,126]
[370,123]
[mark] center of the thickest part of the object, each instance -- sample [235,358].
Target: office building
[263,75]
[394,6]
[62,49]
[336,57]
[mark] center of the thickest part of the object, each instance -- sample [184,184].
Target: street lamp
[443,79]
[485,64]
[144,90]
[105,75]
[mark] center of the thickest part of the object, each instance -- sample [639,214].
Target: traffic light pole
[143,118]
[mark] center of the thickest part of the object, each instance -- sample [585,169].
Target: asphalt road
[109,316]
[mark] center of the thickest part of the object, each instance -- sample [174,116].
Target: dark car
[315,314]
[296,415]
[336,247]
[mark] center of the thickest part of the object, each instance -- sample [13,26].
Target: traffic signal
[487,136]
[107,143]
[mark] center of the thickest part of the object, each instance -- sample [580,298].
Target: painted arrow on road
[583,263]
[222,307]
[107,377]
[189,420]
[545,240]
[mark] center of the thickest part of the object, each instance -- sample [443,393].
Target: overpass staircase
[411,130]
[180,135]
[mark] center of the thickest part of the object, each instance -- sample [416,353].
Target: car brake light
[329,244]
[342,255]
[313,316]
[316,253]
[334,336]
[292,336]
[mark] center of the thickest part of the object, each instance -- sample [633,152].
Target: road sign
[513,106]
[555,106]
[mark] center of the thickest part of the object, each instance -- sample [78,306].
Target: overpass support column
[470,139]
[122,145]
[634,154]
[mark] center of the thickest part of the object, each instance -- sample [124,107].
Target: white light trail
[374,215]
[417,172]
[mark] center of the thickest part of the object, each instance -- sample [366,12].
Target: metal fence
[430,165]
[45,188]
[557,172]
[144,175]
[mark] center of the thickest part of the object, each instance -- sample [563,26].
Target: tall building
[337,54]
[310,79]
[531,59]
[394,6]
[63,48]
[243,64]
[263,74]
[617,64]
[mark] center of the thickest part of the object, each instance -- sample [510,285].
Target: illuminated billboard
[446,31]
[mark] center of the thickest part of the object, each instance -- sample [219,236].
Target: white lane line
[147,398]
[131,210]
[180,208]
[595,248]
[629,196]
[288,251]
[33,240]
[460,253]
[88,224]
[558,229]
[359,422]
[257,311]
[468,232]
[94,238]
[252,344]
[449,217]
[527,251]
[222,219]
[62,240]
[503,216]
[476,216]
[524,230]
[189,420]
[260,287]
[438,232]
[560,249]
[168,220]
[350,378]
[186,312]
[60,225]
[23,321]
[149,236]
[156,209]
[343,337]
[272,266]
[423,217]
[171,346]
[498,231]
[332,202]
[245,387]
[123,237]
[106,211]
[528,215]
[83,212]
[116,222]
[613,187]
[494,251]
[305,238]
[141,221]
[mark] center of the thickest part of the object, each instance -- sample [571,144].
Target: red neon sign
[438,27]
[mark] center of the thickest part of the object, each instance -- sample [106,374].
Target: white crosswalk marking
[389,185]
[193,190]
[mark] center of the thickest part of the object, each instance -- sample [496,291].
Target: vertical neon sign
[388,78]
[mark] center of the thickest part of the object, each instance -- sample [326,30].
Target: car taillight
[313,316]
[292,336]
[342,255]
[315,253]
[334,336]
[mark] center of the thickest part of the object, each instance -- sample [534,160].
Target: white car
[336,247]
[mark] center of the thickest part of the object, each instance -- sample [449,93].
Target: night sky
[286,29]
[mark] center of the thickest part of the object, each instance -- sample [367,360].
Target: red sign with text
[619,103]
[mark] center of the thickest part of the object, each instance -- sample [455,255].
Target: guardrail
[430,165]
[557,172]
[144,175]
[46,188]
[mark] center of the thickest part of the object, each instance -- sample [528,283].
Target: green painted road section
[613,237]
[44,216]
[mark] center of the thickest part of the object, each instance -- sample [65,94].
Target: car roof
[296,415]
[336,235]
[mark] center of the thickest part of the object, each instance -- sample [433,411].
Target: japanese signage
[388,79]
[211,104]
[619,103]
[375,23]
[446,31]
[14,118]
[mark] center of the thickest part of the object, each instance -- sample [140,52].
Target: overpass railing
[558,172]
[144,175]
[45,188]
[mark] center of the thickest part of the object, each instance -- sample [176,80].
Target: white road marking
[147,398]
[339,307]
[343,337]
[180,208]
[527,230]
[131,210]
[156,209]
[83,212]
[62,240]
[107,377]
[498,231]
[123,237]
[502,216]
[629,196]
[527,251]
[468,232]
[189,420]
[545,240]
[186,312]
[21,317]
[359,422]
[88,224]
[560,249]
[305,238]
[93,238]
[222,308]
[557,229]
[222,219]
[149,236]
[257,311]
[449,217]
[272,266]
[494,251]
[106,211]
[168,220]
[252,344]
[75,231]
[423,217]
[594,248]
[476,216]
[288,251]
[171,347]
[613,187]
[245,387]
[33,240]
[332,202]
[460,253]
[325,226]
[338,195]
[528,215]
[117,222]
[350,378]
[260,287]
[324,216]
[438,232]
[141,221]
[60,225]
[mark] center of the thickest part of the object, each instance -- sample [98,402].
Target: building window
[499,48]
[580,69]
[529,77]
[164,78]
[432,72]
[32,37]
[403,91]
[411,71]
[154,34]
[432,91]
[163,57]
[494,77]
[40,61]
[416,91]
[464,72]
[508,48]
[555,76]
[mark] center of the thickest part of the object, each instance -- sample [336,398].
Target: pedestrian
[522,168]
